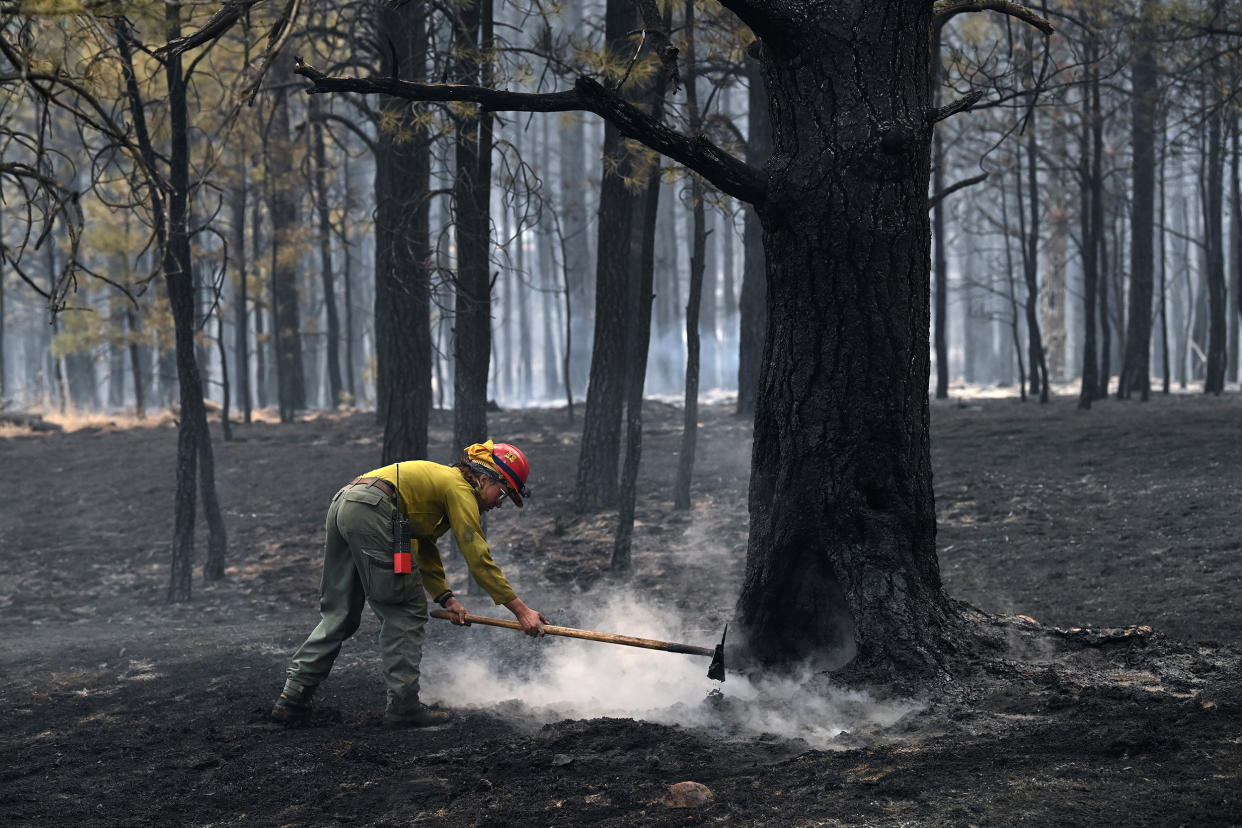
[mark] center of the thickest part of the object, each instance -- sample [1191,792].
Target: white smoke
[586,679]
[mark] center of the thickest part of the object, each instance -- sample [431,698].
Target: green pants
[357,564]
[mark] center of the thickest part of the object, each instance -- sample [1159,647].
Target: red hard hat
[515,468]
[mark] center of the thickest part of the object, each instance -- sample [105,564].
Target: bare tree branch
[962,104]
[943,10]
[727,173]
[219,23]
[326,117]
[953,188]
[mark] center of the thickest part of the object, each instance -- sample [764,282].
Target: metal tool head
[716,671]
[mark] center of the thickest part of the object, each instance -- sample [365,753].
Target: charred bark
[841,507]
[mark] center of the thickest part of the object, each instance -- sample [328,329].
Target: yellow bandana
[482,453]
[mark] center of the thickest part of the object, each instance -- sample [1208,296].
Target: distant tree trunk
[241,316]
[261,384]
[599,452]
[690,411]
[347,277]
[698,259]
[1052,295]
[709,340]
[547,269]
[1164,280]
[1030,268]
[286,326]
[638,343]
[135,362]
[1235,256]
[472,220]
[115,347]
[525,313]
[1090,148]
[1106,333]
[226,425]
[1213,218]
[325,256]
[575,241]
[1136,365]
[1014,317]
[402,298]
[752,308]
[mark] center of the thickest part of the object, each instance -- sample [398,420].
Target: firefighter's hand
[456,612]
[532,622]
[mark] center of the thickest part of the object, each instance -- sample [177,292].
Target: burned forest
[743,412]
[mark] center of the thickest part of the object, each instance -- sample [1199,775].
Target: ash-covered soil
[1098,556]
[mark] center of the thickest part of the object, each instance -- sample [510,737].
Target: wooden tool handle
[570,632]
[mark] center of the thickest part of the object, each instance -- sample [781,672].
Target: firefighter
[361,562]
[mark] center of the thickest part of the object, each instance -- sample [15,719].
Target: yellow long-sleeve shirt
[437,498]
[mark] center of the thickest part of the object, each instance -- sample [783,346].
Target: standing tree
[841,505]
[472,189]
[1136,364]
[402,246]
[600,449]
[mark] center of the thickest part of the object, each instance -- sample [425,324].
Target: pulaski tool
[715,671]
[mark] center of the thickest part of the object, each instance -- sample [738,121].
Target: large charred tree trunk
[842,514]
[1136,365]
[472,189]
[752,310]
[402,281]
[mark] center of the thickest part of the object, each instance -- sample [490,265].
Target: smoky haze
[561,678]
